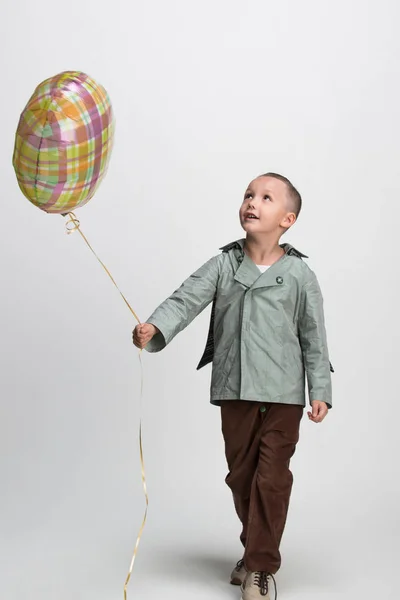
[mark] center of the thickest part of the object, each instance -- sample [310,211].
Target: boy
[267,332]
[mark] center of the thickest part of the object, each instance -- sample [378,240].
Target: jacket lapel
[248,272]
[274,275]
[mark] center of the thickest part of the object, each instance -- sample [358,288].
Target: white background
[207,95]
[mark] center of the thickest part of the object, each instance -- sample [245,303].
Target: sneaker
[239,573]
[256,586]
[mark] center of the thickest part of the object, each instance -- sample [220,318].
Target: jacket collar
[247,272]
[239,244]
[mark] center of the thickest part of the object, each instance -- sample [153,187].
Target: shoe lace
[261,580]
[239,564]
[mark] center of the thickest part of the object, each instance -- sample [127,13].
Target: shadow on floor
[300,571]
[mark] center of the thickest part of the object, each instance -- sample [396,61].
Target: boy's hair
[294,196]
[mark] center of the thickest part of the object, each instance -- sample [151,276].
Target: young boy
[267,332]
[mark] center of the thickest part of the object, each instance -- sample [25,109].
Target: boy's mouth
[250,216]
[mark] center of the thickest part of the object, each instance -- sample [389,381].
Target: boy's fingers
[312,418]
[137,339]
[142,334]
[318,413]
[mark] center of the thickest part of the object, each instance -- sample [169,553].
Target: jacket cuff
[321,398]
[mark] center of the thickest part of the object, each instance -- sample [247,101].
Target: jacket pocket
[223,363]
[279,334]
[293,360]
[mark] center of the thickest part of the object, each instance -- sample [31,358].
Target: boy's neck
[263,250]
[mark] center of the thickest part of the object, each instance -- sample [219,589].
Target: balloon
[63,142]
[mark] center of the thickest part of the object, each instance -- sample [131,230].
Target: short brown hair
[293,194]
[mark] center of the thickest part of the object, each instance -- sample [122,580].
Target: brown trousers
[260,440]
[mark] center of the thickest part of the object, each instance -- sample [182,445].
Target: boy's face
[266,207]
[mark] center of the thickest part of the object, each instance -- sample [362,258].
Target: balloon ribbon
[72,225]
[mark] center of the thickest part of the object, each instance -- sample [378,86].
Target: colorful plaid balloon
[63,142]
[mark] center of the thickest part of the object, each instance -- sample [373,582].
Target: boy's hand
[319,411]
[143,333]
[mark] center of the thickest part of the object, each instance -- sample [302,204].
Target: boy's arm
[173,315]
[313,342]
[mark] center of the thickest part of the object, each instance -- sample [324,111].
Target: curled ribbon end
[72,224]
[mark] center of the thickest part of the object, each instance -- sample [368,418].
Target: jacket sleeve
[188,301]
[313,342]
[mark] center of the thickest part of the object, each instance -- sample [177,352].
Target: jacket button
[279,280]
[262,409]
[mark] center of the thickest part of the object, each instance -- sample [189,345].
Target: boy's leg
[271,486]
[241,421]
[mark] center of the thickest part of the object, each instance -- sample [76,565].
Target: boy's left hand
[319,411]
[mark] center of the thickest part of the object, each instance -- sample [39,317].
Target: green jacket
[267,331]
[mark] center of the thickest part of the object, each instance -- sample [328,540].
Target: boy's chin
[251,229]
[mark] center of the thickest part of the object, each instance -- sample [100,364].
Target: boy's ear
[289,220]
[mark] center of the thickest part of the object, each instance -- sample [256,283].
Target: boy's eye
[248,195]
[267,197]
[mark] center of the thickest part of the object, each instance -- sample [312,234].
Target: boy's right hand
[143,333]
